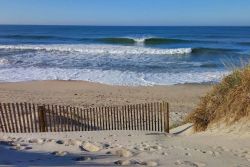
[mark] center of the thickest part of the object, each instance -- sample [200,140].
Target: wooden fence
[27,118]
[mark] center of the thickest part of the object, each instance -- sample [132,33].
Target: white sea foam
[100,49]
[113,77]
[3,61]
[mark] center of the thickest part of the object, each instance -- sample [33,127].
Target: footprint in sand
[189,163]
[187,154]
[83,158]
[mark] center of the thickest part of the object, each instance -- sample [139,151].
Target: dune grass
[228,101]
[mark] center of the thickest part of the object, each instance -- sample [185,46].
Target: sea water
[121,55]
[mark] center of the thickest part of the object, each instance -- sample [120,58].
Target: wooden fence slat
[119,118]
[152,117]
[1,119]
[71,112]
[85,119]
[134,117]
[112,118]
[94,119]
[7,117]
[19,117]
[23,117]
[147,116]
[4,123]
[155,116]
[63,119]
[103,118]
[167,117]
[78,119]
[125,119]
[35,113]
[131,116]
[99,118]
[106,118]
[116,118]
[54,117]
[82,119]
[162,117]
[25,111]
[67,112]
[141,116]
[42,118]
[88,120]
[1,122]
[138,117]
[31,118]
[91,118]
[15,117]
[128,117]
[48,118]
[109,118]
[12,127]
[158,116]
[75,122]
[121,115]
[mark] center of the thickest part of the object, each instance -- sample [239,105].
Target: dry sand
[128,148]
[182,98]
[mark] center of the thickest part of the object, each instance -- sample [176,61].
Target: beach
[126,148]
[80,69]
[182,98]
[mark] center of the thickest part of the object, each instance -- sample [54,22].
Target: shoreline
[182,98]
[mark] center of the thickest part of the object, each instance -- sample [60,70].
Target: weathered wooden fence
[27,117]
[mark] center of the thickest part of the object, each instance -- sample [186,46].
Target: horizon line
[124,25]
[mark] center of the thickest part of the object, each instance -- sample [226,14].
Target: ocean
[121,55]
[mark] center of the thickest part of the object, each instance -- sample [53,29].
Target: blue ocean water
[121,55]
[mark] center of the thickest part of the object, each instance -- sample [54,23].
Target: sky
[126,12]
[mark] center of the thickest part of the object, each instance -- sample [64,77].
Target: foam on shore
[112,77]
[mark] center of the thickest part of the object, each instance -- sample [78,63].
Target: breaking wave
[145,41]
[109,40]
[113,77]
[100,49]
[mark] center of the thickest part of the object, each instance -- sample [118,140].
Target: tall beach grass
[227,102]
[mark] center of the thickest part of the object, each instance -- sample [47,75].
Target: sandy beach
[182,98]
[125,148]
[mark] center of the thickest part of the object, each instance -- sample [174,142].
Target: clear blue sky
[126,12]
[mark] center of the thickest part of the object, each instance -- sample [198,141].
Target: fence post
[42,118]
[166,116]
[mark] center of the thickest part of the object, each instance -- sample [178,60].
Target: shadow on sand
[10,157]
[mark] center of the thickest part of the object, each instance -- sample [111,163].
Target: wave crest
[100,49]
